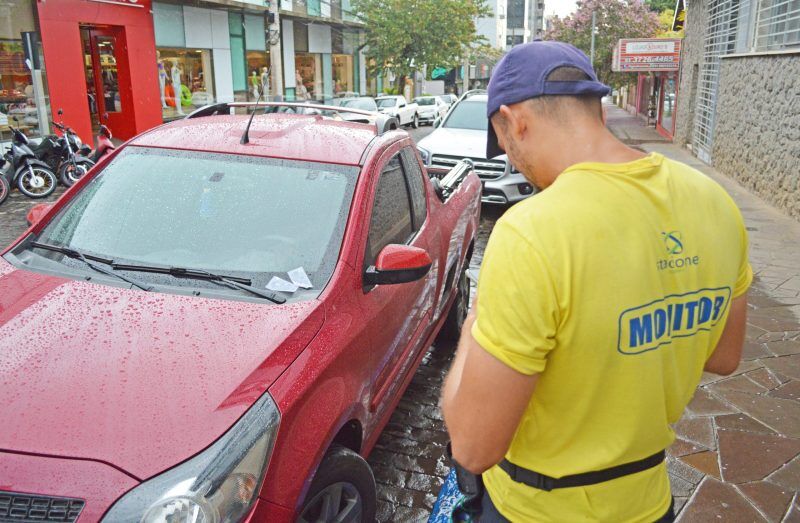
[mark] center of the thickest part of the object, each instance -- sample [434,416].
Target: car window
[416,186]
[239,215]
[468,115]
[391,211]
[386,102]
[425,101]
[367,104]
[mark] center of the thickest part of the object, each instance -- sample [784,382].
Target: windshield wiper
[78,255]
[243,284]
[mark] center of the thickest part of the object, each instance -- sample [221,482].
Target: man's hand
[483,402]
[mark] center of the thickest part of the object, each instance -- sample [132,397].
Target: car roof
[476,98]
[311,138]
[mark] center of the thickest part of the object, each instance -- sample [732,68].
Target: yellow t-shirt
[614,284]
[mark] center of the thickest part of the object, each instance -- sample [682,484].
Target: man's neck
[588,144]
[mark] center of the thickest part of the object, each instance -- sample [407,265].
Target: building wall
[757,130]
[691,60]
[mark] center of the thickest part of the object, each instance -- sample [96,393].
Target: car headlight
[219,485]
[426,155]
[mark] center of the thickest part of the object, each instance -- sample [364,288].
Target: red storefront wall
[60,24]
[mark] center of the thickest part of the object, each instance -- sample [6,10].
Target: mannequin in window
[300,89]
[175,74]
[162,81]
[264,81]
[254,83]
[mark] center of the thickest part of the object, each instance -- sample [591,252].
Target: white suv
[462,134]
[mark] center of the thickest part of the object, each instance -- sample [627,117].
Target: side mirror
[398,264]
[37,211]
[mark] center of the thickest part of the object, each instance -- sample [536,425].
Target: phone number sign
[647,54]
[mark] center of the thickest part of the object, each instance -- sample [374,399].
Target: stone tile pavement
[13,212]
[737,456]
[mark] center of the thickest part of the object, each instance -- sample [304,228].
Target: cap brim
[493,149]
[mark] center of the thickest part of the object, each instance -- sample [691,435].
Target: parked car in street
[365,103]
[449,98]
[214,324]
[397,106]
[431,108]
[462,134]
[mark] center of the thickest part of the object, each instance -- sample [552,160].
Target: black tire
[30,176]
[343,489]
[68,173]
[5,188]
[415,121]
[451,329]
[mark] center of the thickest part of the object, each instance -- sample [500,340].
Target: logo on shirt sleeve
[659,322]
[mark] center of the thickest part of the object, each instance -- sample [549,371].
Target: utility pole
[275,50]
[594,21]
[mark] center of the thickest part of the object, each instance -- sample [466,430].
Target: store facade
[657,62]
[93,51]
[323,58]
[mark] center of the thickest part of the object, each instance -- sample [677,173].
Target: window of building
[185,79]
[308,76]
[391,212]
[778,25]
[343,84]
[258,74]
[23,94]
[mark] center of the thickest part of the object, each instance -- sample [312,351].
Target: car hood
[468,143]
[135,379]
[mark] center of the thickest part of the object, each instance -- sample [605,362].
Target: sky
[560,7]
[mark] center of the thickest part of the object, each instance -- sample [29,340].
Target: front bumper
[429,117]
[506,190]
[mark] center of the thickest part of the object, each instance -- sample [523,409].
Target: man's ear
[516,125]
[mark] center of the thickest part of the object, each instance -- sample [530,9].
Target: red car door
[398,315]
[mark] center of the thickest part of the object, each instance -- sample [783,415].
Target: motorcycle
[65,155]
[5,188]
[104,144]
[32,177]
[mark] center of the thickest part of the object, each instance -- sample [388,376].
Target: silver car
[462,134]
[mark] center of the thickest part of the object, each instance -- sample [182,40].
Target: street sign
[438,72]
[647,54]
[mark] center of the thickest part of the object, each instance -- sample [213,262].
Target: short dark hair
[559,106]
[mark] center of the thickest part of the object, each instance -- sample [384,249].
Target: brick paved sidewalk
[737,457]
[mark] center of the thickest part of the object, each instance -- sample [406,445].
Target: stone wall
[757,129]
[691,60]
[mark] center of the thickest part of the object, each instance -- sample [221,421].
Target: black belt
[547,483]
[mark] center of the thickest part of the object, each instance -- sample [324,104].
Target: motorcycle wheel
[5,188]
[69,173]
[36,181]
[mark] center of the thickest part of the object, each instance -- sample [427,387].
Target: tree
[403,35]
[615,19]
[659,6]
[665,20]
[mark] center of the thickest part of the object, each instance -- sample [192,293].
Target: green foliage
[665,25]
[659,6]
[406,34]
[615,19]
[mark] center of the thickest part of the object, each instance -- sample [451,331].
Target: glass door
[107,79]
[666,117]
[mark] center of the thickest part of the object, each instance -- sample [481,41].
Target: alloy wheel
[337,503]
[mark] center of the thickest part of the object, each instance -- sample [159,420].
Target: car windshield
[425,101]
[230,214]
[386,102]
[469,114]
[366,104]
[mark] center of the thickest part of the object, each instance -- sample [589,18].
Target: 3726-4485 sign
[647,54]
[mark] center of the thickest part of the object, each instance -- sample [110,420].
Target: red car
[204,330]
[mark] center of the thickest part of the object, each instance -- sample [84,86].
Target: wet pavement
[13,212]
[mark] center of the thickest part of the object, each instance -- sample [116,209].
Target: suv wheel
[415,121]
[343,490]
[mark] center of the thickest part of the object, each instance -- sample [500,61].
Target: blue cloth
[449,497]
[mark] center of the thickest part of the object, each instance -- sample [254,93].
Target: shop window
[186,80]
[257,74]
[308,76]
[778,25]
[343,84]
[300,38]
[19,104]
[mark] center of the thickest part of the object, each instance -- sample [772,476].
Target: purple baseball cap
[522,74]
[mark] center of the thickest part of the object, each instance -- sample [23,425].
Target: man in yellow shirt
[601,300]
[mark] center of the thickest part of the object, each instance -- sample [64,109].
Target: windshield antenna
[246,136]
